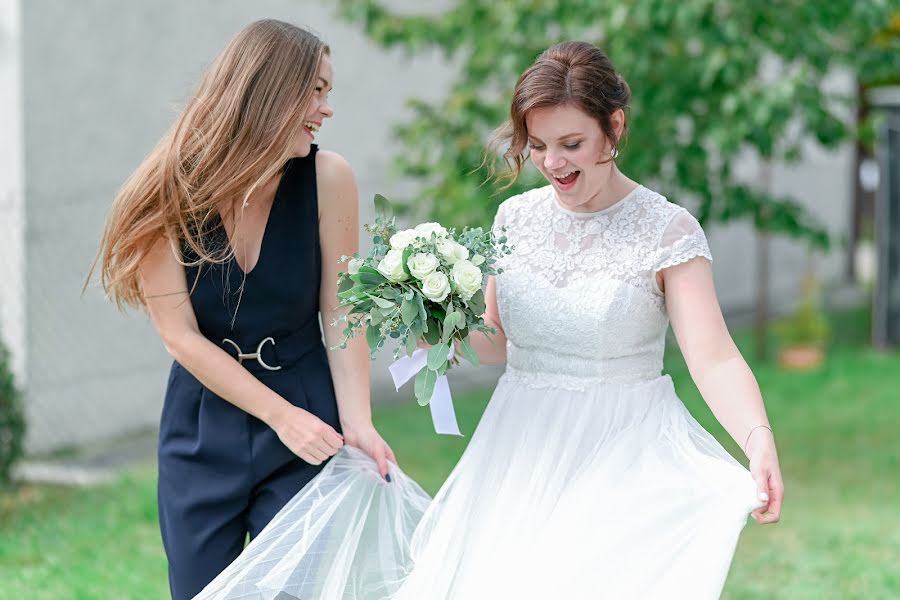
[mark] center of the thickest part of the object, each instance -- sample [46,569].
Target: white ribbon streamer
[442,414]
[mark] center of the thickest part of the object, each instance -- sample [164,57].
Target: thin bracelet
[751,433]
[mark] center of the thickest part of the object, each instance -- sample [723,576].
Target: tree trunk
[761,307]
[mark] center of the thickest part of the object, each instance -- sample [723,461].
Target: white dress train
[586,477]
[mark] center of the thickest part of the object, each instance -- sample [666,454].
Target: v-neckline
[262,241]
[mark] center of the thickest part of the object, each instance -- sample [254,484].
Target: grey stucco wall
[12,188]
[102,82]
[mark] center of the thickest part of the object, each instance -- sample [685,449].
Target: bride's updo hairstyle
[574,73]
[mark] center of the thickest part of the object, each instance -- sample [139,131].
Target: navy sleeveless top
[276,315]
[280,294]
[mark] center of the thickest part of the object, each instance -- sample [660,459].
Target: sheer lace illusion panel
[578,297]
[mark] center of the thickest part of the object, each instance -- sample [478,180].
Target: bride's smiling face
[570,149]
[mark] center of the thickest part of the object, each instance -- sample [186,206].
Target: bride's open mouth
[566,181]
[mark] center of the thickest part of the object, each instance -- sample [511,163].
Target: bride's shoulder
[524,203]
[657,206]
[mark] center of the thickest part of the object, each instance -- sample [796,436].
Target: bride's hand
[370,441]
[767,474]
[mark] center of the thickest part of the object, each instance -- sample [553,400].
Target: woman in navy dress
[229,235]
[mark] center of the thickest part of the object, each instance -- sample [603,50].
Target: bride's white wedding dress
[586,477]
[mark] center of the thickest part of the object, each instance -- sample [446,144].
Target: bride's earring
[614,153]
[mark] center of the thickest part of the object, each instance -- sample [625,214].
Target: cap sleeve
[682,240]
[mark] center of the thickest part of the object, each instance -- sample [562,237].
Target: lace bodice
[578,297]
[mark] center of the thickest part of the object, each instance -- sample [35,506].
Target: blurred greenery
[710,79]
[12,419]
[807,324]
[839,538]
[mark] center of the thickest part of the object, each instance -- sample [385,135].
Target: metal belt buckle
[257,355]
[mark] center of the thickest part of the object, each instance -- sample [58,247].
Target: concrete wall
[12,188]
[102,82]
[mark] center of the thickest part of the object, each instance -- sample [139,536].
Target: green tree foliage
[12,419]
[710,79]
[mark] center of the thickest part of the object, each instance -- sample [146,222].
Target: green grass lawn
[838,433]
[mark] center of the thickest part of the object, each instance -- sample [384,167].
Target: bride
[586,477]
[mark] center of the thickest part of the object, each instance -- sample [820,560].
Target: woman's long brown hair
[233,136]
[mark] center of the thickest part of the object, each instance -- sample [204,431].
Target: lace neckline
[596,213]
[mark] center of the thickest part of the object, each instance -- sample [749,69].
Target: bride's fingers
[762,496]
[776,489]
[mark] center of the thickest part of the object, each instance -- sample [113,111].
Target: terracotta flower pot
[801,358]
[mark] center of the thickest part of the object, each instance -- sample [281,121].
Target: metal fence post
[886,301]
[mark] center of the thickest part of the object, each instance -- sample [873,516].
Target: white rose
[426,229]
[391,266]
[451,251]
[422,265]
[477,259]
[354,265]
[402,239]
[467,278]
[436,286]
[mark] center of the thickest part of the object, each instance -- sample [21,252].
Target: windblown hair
[574,73]
[234,135]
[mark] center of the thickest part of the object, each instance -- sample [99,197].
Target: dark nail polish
[388,477]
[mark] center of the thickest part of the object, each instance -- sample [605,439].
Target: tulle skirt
[613,491]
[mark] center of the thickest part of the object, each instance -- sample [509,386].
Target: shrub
[12,419]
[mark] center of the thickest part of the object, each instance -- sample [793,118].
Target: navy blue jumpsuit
[222,472]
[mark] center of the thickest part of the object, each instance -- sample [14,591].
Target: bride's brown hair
[234,135]
[574,73]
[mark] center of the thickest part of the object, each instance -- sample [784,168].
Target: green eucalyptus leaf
[432,335]
[383,209]
[425,380]
[346,284]
[357,291]
[420,304]
[373,338]
[476,303]
[369,278]
[465,348]
[382,303]
[411,341]
[407,252]
[437,356]
[408,311]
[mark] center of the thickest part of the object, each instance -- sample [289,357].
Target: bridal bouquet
[417,284]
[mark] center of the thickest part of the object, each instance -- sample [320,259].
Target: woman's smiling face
[570,149]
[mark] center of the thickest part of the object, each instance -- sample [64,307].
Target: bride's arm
[722,375]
